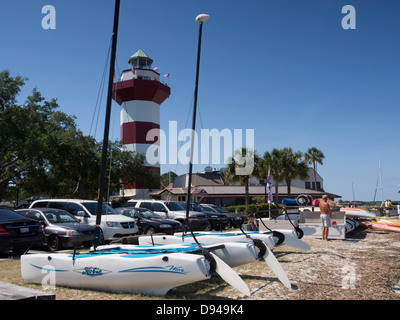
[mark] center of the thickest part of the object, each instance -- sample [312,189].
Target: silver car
[61,229]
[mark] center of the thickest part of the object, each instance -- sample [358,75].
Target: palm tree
[242,166]
[274,160]
[314,156]
[293,166]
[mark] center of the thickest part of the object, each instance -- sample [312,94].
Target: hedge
[260,209]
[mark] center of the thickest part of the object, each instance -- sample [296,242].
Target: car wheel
[54,243]
[184,226]
[209,226]
[150,230]
[87,244]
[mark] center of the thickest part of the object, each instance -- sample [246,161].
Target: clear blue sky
[286,69]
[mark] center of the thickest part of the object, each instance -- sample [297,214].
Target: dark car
[236,220]
[173,210]
[217,221]
[18,233]
[150,222]
[61,229]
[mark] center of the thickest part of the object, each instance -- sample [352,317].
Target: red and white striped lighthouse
[140,94]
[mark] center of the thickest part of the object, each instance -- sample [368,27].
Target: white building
[210,187]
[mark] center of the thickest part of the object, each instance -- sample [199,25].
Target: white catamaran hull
[226,237]
[232,253]
[149,274]
[358,213]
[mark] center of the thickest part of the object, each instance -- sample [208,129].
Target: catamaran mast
[200,19]
[107,123]
[380,179]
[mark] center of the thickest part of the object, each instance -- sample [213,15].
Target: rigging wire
[97,105]
[100,95]
[187,120]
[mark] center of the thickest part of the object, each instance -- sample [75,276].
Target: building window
[311,185]
[181,198]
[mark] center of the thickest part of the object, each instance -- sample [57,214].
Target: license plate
[24,230]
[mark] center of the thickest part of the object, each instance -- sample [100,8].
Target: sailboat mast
[194,119]
[107,123]
[380,179]
[201,19]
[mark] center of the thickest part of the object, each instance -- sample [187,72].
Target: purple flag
[269,186]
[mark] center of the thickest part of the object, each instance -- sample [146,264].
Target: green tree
[21,129]
[167,178]
[314,156]
[10,137]
[73,160]
[242,166]
[132,170]
[44,147]
[292,167]
[273,160]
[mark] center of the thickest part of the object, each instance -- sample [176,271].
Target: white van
[113,226]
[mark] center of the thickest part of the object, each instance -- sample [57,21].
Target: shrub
[260,209]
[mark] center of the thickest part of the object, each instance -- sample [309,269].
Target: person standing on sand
[326,213]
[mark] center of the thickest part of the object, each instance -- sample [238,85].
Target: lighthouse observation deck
[143,74]
[143,85]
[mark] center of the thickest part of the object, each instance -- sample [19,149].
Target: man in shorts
[326,213]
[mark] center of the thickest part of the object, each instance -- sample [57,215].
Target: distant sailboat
[379,181]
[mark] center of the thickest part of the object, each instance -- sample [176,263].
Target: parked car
[114,227]
[61,229]
[115,204]
[18,233]
[150,222]
[173,210]
[236,220]
[217,221]
[23,205]
[29,201]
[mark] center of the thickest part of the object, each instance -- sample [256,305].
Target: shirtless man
[326,213]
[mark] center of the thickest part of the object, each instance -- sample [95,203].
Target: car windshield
[60,217]
[219,209]
[92,207]
[197,207]
[148,214]
[174,206]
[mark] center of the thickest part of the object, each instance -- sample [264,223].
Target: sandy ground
[364,266]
